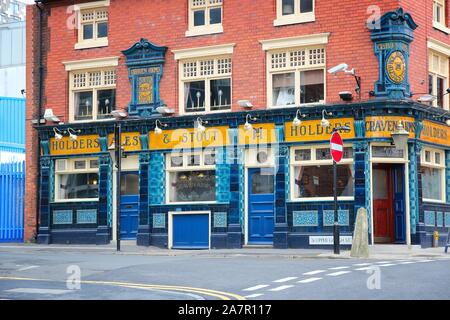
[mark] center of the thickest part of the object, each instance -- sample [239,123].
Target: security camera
[245,104]
[338,68]
[50,116]
[119,114]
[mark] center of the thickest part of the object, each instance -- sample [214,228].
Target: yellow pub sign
[190,138]
[83,145]
[435,133]
[312,130]
[384,126]
[259,134]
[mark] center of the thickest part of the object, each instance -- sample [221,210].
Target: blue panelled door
[261,206]
[129,205]
[399,204]
[190,231]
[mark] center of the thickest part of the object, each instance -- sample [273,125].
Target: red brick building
[222,60]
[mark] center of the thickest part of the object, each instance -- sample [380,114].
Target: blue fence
[12,188]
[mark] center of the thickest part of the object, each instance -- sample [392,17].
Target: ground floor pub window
[76,179]
[433,175]
[191,176]
[312,174]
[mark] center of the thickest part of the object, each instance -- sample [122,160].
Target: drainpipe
[40,94]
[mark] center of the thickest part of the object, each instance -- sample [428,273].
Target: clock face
[396,67]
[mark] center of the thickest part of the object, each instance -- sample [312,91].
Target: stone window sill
[441,27]
[200,31]
[294,19]
[91,44]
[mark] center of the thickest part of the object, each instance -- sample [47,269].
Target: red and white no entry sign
[337,147]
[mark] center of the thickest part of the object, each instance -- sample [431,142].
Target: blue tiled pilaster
[103,235]
[222,177]
[447,174]
[157,178]
[234,157]
[44,236]
[359,154]
[144,228]
[414,163]
[280,235]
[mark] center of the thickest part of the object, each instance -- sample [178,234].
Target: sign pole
[118,144]
[336,217]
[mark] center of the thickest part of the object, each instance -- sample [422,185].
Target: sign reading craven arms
[189,138]
[383,127]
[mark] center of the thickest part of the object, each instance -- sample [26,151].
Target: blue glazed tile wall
[305,218]
[62,217]
[87,216]
[343,218]
[157,178]
[222,177]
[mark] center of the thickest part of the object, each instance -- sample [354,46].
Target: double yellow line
[200,291]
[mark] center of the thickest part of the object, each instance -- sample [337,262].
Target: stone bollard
[360,243]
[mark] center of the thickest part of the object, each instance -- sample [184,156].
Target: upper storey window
[438,79]
[92,24]
[439,15]
[294,11]
[205,17]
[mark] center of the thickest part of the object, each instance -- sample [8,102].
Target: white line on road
[309,280]
[280,288]
[285,279]
[339,273]
[38,291]
[408,262]
[362,264]
[338,268]
[383,262]
[27,268]
[261,286]
[425,261]
[256,295]
[387,265]
[364,268]
[311,273]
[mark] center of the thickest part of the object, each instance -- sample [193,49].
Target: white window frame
[296,17]
[70,169]
[439,71]
[207,28]
[185,168]
[94,7]
[432,164]
[314,162]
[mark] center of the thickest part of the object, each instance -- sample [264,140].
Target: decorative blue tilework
[413,151]
[430,218]
[447,174]
[87,216]
[220,219]
[159,220]
[447,219]
[62,217]
[305,218]
[157,178]
[440,219]
[222,177]
[343,217]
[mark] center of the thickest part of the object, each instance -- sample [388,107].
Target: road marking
[38,291]
[362,264]
[261,286]
[338,268]
[309,280]
[387,265]
[364,268]
[311,273]
[256,295]
[212,293]
[286,279]
[339,273]
[425,261]
[383,262]
[280,288]
[27,268]
[408,262]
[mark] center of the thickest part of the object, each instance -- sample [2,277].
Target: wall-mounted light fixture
[58,134]
[158,130]
[400,136]
[325,123]
[297,120]
[73,134]
[200,126]
[248,126]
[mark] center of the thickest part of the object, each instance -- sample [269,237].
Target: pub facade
[210,171]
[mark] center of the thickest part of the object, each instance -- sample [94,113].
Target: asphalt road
[40,274]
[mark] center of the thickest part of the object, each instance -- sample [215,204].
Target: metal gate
[12,187]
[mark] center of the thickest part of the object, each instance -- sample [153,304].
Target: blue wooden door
[190,231]
[399,204]
[129,205]
[261,206]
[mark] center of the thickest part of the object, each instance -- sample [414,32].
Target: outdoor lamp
[158,130]
[297,122]
[72,134]
[448,122]
[248,126]
[400,136]
[58,134]
[325,123]
[200,126]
